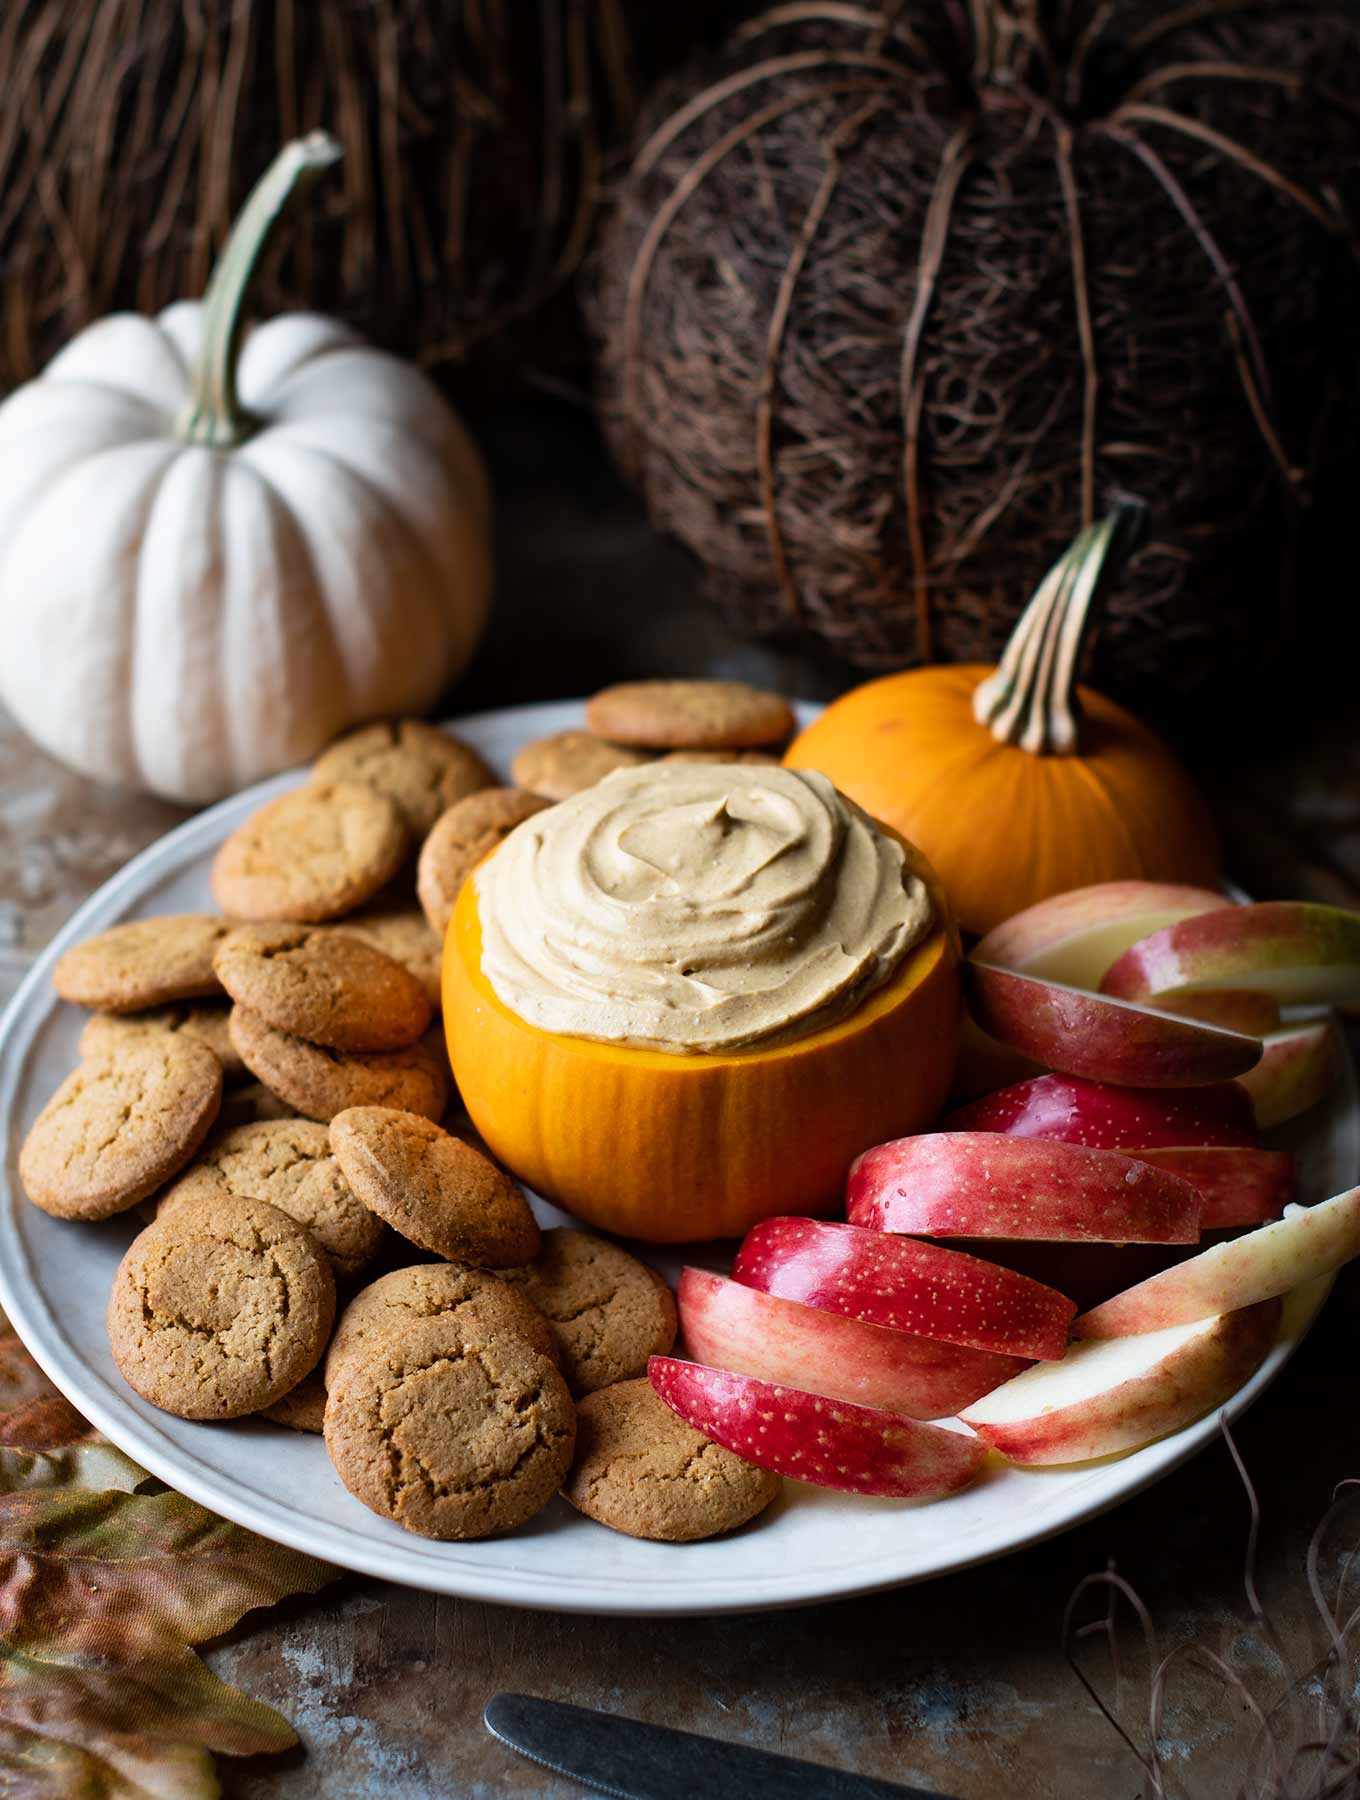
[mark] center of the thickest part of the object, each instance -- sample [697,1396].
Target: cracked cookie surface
[204,1020]
[287,1162]
[460,838]
[323,984]
[433,1188]
[314,853]
[690,715]
[567,761]
[143,963]
[436,1291]
[220,1309]
[120,1124]
[302,1408]
[641,1469]
[319,1082]
[451,1433]
[420,769]
[403,933]
[607,1311]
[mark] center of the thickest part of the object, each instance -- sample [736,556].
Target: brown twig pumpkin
[897,296]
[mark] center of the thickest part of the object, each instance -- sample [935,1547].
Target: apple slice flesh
[831,1443]
[1299,953]
[905,1285]
[1075,936]
[729,1326]
[1297,1068]
[1067,1110]
[1236,1186]
[1235,1009]
[1110,1397]
[1103,1038]
[1310,1241]
[982,1184]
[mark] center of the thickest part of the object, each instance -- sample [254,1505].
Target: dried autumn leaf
[32,1412]
[101,1595]
[93,1466]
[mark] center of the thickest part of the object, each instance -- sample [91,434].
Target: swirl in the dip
[696,907]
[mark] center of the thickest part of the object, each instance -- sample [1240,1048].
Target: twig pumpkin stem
[214,415]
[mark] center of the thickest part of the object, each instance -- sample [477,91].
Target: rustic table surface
[960,1684]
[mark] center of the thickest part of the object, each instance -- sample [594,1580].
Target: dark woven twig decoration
[896,295]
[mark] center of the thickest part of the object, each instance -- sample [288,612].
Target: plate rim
[403,1559]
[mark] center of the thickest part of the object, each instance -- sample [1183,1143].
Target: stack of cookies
[269,1089]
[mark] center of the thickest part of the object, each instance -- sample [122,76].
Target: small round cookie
[121,1124]
[312,854]
[287,1162]
[433,1188]
[451,1433]
[436,1291]
[421,770]
[318,1083]
[568,761]
[461,838]
[721,756]
[404,934]
[323,984]
[302,1408]
[608,1311]
[202,1020]
[143,963]
[251,1105]
[219,1309]
[641,1470]
[690,715]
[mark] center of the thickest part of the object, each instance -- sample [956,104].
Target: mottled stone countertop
[960,1683]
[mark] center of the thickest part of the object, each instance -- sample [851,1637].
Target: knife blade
[635,1761]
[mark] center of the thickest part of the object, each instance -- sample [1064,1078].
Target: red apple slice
[1075,936]
[980,1184]
[1100,1038]
[831,1443]
[733,1327]
[1299,953]
[1105,1398]
[1297,1068]
[1235,1009]
[905,1285]
[1236,1187]
[1068,1110]
[1308,1242]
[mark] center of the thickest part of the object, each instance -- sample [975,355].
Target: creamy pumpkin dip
[693,907]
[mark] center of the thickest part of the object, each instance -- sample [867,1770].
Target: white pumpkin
[211,564]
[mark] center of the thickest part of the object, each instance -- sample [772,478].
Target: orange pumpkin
[1015,782]
[670,1148]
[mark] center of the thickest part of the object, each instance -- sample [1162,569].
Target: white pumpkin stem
[1031,698]
[214,414]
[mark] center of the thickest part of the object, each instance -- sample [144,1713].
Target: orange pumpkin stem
[1031,698]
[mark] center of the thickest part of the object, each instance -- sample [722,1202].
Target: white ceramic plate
[812,1545]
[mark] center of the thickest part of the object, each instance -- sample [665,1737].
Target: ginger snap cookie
[568,761]
[461,838]
[205,1020]
[302,1408]
[422,770]
[608,1311]
[323,984]
[433,1188]
[452,1433]
[404,934]
[220,1308]
[312,854]
[640,1469]
[721,756]
[120,1124]
[436,1291]
[319,1082]
[287,1162]
[690,715]
[251,1105]
[143,963]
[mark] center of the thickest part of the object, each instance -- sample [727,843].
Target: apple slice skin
[1297,1068]
[1307,1243]
[830,1443]
[1297,951]
[1075,936]
[729,1326]
[1235,1009]
[983,1184]
[1236,1186]
[1067,1110]
[1100,1038]
[905,1285]
[1198,1372]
